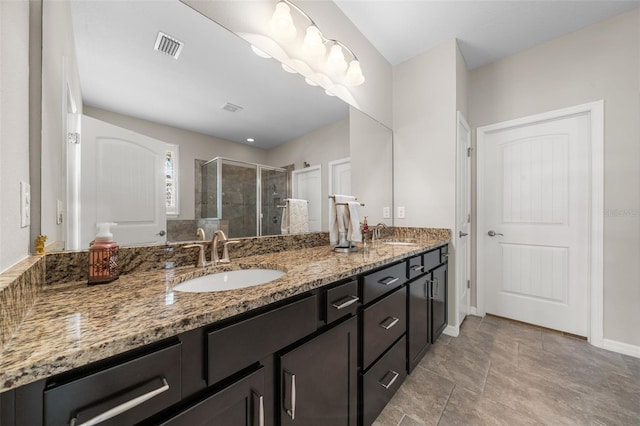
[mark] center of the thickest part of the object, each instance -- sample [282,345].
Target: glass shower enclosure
[244,197]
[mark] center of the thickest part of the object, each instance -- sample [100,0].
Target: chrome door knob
[462,234]
[493,233]
[162,233]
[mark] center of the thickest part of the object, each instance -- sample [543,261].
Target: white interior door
[340,176]
[307,185]
[123,181]
[463,220]
[534,240]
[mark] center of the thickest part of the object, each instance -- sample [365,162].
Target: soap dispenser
[103,256]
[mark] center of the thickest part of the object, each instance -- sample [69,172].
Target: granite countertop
[73,324]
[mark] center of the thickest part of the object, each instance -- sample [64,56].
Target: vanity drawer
[383,323]
[156,376]
[341,300]
[382,381]
[431,259]
[239,345]
[383,281]
[415,268]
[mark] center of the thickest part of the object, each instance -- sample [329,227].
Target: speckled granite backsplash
[19,288]
[402,233]
[72,266]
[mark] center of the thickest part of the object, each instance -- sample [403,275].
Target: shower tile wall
[239,200]
[274,192]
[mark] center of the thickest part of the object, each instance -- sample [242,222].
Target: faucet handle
[202,261]
[200,234]
[225,250]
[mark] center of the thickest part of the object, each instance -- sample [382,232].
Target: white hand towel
[298,216]
[338,216]
[354,233]
[284,221]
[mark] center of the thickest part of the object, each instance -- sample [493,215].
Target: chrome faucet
[377,231]
[218,237]
[200,234]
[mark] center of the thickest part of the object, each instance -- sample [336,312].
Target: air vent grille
[231,107]
[168,45]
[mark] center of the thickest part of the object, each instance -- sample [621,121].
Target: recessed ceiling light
[251,140]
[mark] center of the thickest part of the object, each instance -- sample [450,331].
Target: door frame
[459,266]
[595,112]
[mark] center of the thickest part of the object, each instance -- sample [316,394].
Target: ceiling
[120,71]
[486,30]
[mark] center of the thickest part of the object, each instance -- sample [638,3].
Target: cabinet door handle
[344,302]
[417,268]
[125,406]
[389,322]
[291,411]
[387,383]
[388,280]
[437,282]
[260,410]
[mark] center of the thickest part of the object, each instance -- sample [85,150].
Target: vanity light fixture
[260,52]
[314,45]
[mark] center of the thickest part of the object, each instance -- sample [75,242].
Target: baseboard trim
[473,310]
[619,347]
[451,331]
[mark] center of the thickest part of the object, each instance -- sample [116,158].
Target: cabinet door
[318,379]
[419,320]
[439,301]
[241,403]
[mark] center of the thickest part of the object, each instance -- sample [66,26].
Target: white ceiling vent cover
[231,107]
[168,45]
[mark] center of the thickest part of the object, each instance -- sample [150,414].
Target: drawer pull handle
[388,280]
[417,268]
[344,302]
[260,408]
[291,411]
[387,383]
[389,322]
[125,406]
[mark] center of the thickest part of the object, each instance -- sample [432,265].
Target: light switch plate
[401,212]
[386,213]
[25,204]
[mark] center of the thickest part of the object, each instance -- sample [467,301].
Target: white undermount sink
[399,243]
[230,280]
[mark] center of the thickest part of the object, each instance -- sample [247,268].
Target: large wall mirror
[171,123]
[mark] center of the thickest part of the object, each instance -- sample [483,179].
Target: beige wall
[424,117]
[371,146]
[14,128]
[192,146]
[373,97]
[599,62]
[316,148]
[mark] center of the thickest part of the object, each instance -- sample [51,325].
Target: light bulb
[282,24]
[335,62]
[313,42]
[354,74]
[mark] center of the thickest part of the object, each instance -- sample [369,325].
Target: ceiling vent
[231,107]
[168,45]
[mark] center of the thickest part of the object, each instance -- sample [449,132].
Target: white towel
[338,216]
[298,220]
[353,233]
[284,222]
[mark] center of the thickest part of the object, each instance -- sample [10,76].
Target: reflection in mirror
[186,103]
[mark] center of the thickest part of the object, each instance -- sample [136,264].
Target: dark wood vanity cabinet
[240,403]
[332,356]
[427,306]
[318,379]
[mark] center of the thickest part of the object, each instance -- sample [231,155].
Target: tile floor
[498,372]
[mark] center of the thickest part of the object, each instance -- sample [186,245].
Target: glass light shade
[288,69]
[354,74]
[313,42]
[260,52]
[335,62]
[282,24]
[310,82]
